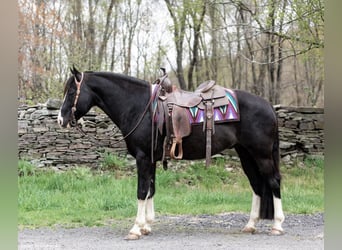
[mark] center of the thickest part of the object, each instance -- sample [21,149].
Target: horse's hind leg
[264,178]
[271,205]
[278,216]
[249,167]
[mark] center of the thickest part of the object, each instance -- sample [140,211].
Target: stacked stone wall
[301,132]
[43,142]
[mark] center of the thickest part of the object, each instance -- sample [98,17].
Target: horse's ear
[74,68]
[75,72]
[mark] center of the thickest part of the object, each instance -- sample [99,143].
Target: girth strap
[209,129]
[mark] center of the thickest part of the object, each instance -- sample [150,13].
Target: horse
[126,101]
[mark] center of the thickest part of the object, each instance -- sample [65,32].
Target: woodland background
[273,48]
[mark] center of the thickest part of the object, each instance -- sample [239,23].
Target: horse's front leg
[146,230]
[146,189]
[144,219]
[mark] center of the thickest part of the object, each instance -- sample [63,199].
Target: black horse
[126,100]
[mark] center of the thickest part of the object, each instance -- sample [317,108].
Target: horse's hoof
[250,230]
[145,231]
[131,236]
[276,231]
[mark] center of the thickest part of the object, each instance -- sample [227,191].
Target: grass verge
[82,197]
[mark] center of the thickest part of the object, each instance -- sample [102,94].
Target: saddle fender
[181,128]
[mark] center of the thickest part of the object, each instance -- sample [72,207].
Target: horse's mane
[109,76]
[122,77]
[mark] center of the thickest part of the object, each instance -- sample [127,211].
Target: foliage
[315,162]
[92,197]
[303,187]
[272,48]
[112,161]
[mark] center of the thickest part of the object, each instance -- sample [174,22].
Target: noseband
[73,121]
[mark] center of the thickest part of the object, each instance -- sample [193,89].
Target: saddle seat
[207,90]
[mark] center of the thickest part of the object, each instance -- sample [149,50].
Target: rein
[73,109]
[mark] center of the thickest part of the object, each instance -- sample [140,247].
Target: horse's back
[254,107]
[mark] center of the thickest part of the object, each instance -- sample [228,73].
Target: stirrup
[176,142]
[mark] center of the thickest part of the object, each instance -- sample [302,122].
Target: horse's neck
[119,108]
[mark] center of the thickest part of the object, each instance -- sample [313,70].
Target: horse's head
[77,100]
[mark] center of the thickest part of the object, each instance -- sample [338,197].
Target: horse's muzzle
[62,123]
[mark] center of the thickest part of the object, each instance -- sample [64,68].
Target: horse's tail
[271,185]
[276,157]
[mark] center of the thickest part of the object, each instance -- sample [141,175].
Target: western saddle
[172,110]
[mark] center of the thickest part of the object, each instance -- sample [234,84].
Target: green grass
[82,197]
[303,187]
[25,168]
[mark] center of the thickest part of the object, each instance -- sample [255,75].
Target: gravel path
[183,232]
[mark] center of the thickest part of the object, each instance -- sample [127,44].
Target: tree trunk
[115,26]
[178,32]
[196,30]
[90,36]
[214,41]
[106,33]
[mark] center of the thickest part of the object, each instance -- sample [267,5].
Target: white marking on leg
[150,215]
[254,215]
[279,216]
[150,210]
[140,221]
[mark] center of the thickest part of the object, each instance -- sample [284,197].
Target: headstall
[78,91]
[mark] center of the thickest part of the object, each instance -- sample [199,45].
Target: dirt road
[183,232]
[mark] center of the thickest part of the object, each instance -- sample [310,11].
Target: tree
[178,14]
[197,11]
[106,33]
[273,48]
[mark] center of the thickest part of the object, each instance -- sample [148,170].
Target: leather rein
[74,123]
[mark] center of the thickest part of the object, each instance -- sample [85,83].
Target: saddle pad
[224,113]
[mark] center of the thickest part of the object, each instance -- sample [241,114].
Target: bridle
[73,121]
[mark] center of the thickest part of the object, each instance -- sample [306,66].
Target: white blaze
[60,118]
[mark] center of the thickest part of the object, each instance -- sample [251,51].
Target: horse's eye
[71,92]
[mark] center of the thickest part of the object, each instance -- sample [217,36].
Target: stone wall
[301,132]
[43,142]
